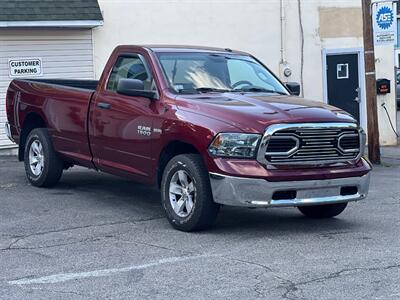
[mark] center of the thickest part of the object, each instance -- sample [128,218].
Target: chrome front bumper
[8,131]
[250,192]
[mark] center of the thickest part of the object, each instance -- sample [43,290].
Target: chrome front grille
[311,143]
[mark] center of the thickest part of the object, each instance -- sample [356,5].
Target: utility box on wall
[383,86]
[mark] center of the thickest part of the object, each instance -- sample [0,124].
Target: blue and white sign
[384,23]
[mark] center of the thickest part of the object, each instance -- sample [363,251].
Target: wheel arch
[170,150]
[32,121]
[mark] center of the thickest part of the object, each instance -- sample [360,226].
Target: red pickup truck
[209,126]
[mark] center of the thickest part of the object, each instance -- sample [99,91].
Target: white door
[65,53]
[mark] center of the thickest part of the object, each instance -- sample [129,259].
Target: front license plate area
[318,193]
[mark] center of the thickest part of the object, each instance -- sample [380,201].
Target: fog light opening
[284,195]
[348,190]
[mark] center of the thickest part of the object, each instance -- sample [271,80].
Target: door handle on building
[358,97]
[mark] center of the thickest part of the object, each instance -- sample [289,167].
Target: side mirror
[294,88]
[134,87]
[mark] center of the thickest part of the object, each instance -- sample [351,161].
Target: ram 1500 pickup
[209,126]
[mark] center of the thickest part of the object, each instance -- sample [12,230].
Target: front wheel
[43,167]
[186,194]
[323,211]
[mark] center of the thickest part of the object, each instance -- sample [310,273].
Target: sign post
[370,85]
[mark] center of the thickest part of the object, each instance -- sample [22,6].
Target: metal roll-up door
[64,53]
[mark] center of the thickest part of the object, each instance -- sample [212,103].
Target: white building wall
[385,68]
[253,27]
[248,25]
[64,53]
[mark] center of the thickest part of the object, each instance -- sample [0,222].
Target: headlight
[239,145]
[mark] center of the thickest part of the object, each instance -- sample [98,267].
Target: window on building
[398,33]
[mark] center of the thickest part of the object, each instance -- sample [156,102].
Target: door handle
[358,97]
[104,105]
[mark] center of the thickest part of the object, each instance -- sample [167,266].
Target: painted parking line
[63,277]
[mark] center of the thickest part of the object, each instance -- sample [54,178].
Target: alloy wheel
[36,158]
[182,193]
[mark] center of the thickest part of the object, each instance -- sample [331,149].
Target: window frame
[145,63]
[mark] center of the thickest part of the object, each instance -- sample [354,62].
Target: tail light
[9,103]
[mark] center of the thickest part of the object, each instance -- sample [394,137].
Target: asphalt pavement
[96,236]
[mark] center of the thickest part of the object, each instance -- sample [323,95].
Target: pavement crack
[293,287]
[264,269]
[159,247]
[349,271]
[64,292]
[23,237]
[10,246]
[258,287]
[51,246]
[289,287]
[58,291]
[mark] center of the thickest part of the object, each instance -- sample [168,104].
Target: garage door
[64,53]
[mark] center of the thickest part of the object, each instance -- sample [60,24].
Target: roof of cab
[185,48]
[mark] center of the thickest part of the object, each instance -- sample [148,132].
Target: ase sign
[384,23]
[25,67]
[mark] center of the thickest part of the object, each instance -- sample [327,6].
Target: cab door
[121,125]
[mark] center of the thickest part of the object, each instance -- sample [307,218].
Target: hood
[254,112]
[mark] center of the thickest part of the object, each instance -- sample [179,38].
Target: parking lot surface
[98,236]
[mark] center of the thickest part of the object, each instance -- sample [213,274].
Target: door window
[130,67]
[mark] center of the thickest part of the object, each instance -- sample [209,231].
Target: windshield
[217,72]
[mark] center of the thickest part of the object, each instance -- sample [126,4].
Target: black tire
[205,210]
[323,211]
[52,164]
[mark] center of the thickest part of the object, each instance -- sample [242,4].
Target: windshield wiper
[187,91]
[258,89]
[216,90]
[210,89]
[202,90]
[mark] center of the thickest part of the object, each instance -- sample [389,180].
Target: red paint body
[108,140]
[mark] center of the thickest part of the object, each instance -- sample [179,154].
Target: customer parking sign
[384,23]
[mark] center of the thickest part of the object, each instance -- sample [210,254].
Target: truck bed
[63,107]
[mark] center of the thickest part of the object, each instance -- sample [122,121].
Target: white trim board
[46,24]
[361,78]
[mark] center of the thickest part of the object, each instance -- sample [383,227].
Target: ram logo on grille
[311,143]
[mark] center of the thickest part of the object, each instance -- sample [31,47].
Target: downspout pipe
[299,7]
[283,34]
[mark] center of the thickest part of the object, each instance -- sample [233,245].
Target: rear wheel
[43,167]
[323,211]
[186,194]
